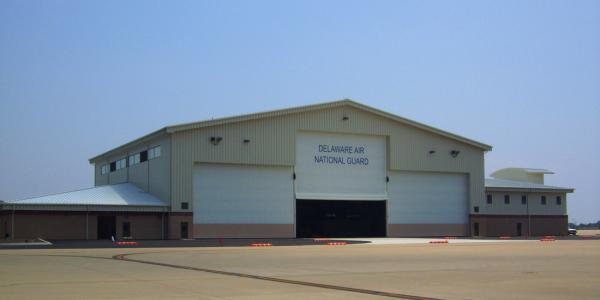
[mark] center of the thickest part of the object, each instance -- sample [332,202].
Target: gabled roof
[300,109]
[345,102]
[504,184]
[125,194]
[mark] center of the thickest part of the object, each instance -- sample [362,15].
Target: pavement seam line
[123,257]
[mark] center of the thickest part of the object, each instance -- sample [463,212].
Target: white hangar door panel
[331,166]
[243,201]
[428,204]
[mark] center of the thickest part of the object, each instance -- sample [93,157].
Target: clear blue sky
[80,77]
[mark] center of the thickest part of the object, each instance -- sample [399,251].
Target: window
[558,200]
[506,199]
[126,229]
[476,209]
[543,200]
[523,199]
[104,169]
[154,152]
[113,166]
[121,163]
[184,205]
[143,156]
[134,159]
[489,199]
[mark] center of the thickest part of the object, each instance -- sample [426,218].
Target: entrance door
[476,229]
[184,230]
[335,218]
[519,229]
[107,227]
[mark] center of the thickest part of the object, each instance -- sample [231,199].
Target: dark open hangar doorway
[340,218]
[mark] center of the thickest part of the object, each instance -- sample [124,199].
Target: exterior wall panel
[159,170]
[118,176]
[138,175]
[153,176]
[517,208]
[99,179]
[272,142]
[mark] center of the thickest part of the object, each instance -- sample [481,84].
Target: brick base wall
[72,225]
[506,225]
[174,227]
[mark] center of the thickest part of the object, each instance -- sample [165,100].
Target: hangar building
[338,169]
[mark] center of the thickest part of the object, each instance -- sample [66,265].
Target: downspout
[162,225]
[12,226]
[87,222]
[528,217]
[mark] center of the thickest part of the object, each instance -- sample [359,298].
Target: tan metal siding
[273,143]
[99,179]
[118,176]
[152,176]
[516,208]
[159,169]
[138,175]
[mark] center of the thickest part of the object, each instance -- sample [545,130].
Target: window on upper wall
[489,199]
[113,166]
[134,159]
[184,205]
[506,199]
[104,169]
[154,152]
[121,163]
[543,200]
[143,156]
[558,200]
[476,208]
[523,199]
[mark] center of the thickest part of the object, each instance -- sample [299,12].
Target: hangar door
[335,218]
[428,204]
[242,194]
[340,185]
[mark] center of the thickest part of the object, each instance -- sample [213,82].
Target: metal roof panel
[508,184]
[124,194]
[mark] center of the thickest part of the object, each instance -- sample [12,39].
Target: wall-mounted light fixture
[345,118]
[215,140]
[431,151]
[246,141]
[454,153]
